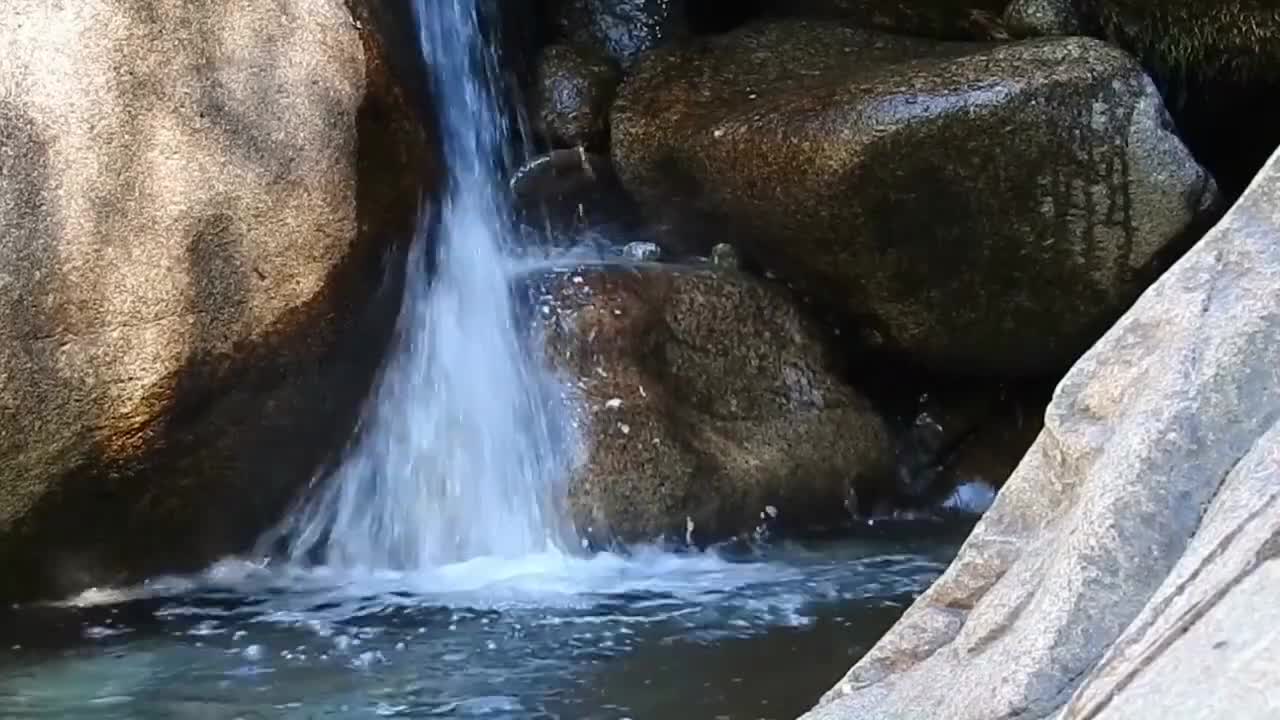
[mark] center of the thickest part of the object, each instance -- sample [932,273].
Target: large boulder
[711,407]
[1129,567]
[197,201]
[985,209]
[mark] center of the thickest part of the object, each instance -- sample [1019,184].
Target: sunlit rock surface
[711,406]
[196,202]
[984,209]
[1129,566]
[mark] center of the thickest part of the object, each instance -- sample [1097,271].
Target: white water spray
[462,449]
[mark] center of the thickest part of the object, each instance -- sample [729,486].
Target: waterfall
[461,451]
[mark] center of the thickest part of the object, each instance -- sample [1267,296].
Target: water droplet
[253,653]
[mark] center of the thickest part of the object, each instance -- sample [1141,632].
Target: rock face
[984,209]
[196,203]
[709,400]
[574,91]
[621,29]
[936,19]
[1219,63]
[1033,18]
[1128,568]
[1230,37]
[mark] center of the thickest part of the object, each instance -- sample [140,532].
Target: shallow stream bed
[732,634]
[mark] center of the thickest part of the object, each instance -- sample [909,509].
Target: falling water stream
[433,574]
[465,444]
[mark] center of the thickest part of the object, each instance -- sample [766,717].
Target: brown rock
[574,91]
[196,206]
[984,209]
[623,30]
[709,400]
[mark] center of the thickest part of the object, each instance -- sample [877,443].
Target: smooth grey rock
[1138,531]
[985,209]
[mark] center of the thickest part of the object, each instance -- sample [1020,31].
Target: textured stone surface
[1218,62]
[195,199]
[621,29]
[1139,532]
[708,398]
[937,19]
[983,208]
[574,91]
[1031,18]
[1231,37]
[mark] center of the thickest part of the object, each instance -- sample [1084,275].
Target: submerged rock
[1129,567]
[574,91]
[983,209]
[621,29]
[188,227]
[709,399]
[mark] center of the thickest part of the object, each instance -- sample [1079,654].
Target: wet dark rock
[961,435]
[936,19]
[709,399]
[574,91]
[982,209]
[1238,38]
[193,235]
[560,172]
[621,29]
[567,193]
[1035,18]
[1218,64]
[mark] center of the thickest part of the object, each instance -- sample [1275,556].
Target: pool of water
[736,633]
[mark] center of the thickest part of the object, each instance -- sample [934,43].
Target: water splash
[462,449]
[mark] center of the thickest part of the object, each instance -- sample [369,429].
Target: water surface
[747,634]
